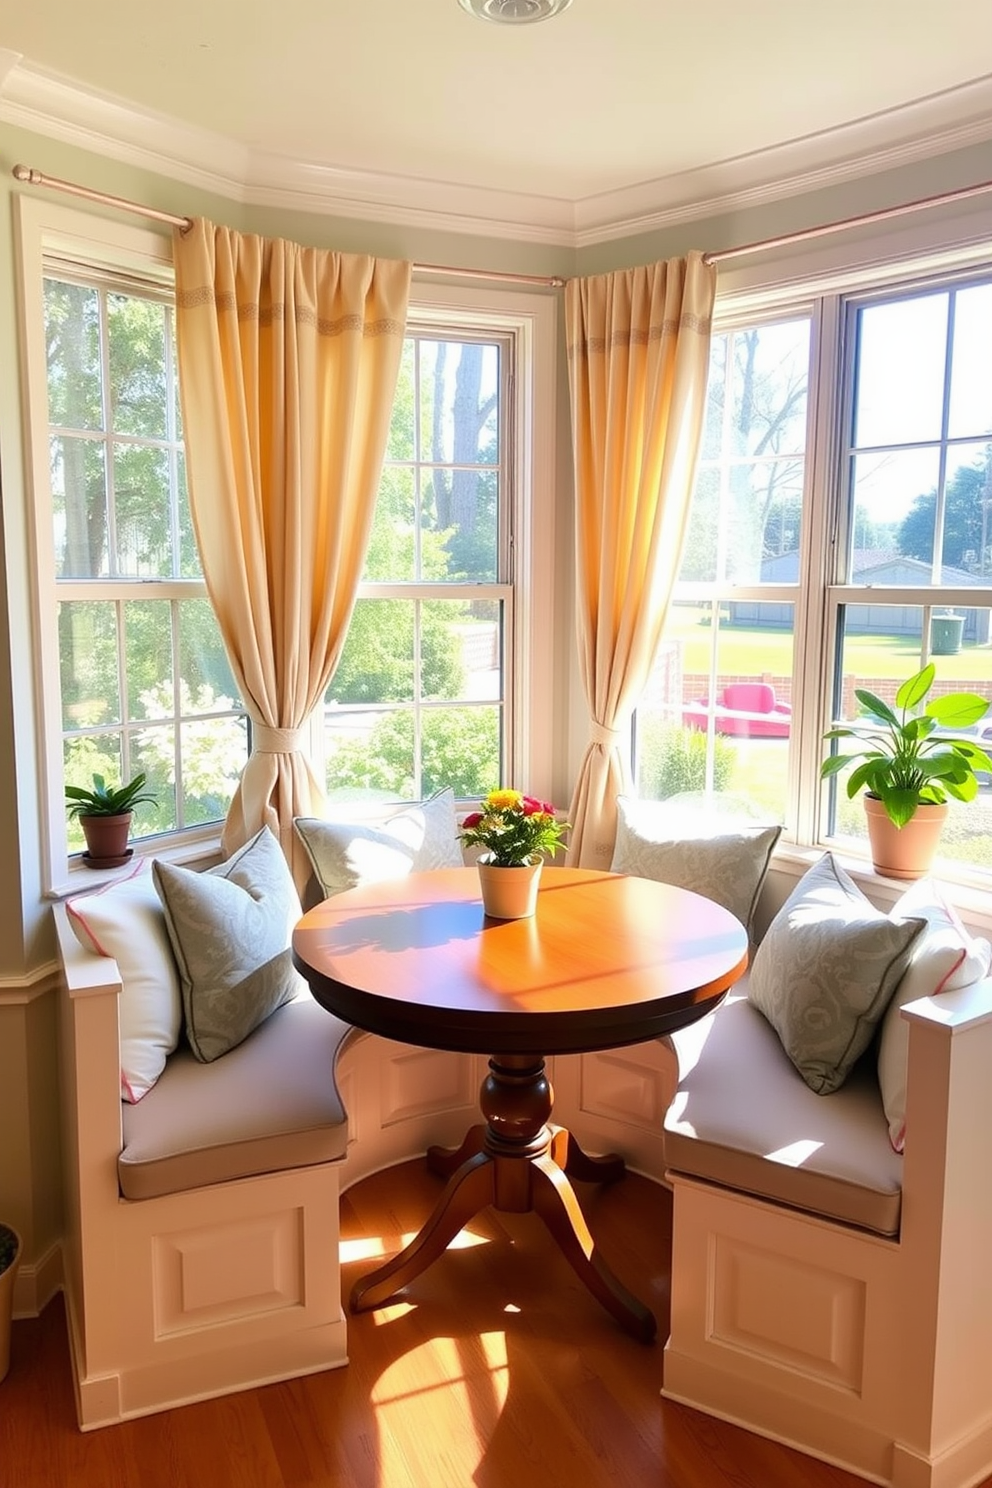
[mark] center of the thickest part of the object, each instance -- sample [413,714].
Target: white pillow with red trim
[125,919]
[945,958]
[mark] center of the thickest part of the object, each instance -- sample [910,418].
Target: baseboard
[37,1282]
[781,1418]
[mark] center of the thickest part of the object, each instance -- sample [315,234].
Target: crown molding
[53,107]
[928,127]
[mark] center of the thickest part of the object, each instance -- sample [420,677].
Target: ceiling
[612,117]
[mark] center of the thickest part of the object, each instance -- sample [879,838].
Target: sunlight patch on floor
[369,1247]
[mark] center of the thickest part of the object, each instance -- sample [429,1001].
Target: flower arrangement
[513,828]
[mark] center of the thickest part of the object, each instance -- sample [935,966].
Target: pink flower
[473,819]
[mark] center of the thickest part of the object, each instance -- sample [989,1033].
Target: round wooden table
[607,960]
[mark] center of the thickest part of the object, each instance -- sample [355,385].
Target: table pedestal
[516,1162]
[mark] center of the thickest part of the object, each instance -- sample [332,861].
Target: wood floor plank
[497,1369]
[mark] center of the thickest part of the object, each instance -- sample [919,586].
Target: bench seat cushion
[269,1104]
[744,1118]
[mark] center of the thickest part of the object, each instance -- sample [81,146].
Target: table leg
[517,1162]
[579,1165]
[471,1189]
[443,1161]
[554,1200]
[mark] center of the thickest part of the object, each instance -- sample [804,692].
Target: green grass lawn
[754,651]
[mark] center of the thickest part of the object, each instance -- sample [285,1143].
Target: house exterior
[879,569]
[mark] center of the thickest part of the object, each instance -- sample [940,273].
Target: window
[145,682]
[840,536]
[430,689]
[139,679]
[440,681]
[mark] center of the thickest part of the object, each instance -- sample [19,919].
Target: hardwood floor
[498,1371]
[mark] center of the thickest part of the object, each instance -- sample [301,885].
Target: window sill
[972,901]
[193,851]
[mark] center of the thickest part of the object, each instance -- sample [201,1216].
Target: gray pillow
[230,930]
[345,855]
[825,971]
[724,860]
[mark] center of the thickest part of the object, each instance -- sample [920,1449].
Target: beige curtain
[638,357]
[288,360]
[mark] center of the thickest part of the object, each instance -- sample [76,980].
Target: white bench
[826,1292]
[201,1246]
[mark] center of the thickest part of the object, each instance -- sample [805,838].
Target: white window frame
[42,226]
[530,319]
[820,281]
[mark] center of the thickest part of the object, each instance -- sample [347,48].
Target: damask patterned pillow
[825,971]
[230,929]
[345,855]
[725,861]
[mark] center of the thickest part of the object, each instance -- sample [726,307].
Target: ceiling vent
[514,12]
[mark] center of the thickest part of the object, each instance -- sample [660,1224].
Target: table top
[608,959]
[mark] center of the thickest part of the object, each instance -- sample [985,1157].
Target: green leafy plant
[908,758]
[104,799]
[513,828]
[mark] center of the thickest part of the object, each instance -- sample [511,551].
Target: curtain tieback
[603,735]
[268,740]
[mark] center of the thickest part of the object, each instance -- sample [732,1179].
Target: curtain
[638,358]
[288,361]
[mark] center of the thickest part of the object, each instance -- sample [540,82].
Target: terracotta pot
[106,839]
[509,893]
[7,1279]
[903,852]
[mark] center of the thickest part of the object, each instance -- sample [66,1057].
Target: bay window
[840,536]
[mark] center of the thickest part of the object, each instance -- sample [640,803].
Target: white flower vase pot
[509,893]
[11,1244]
[903,852]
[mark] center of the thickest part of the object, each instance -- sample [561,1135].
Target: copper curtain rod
[784,240]
[37,178]
[884,214]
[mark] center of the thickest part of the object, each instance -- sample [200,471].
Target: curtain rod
[884,214]
[38,178]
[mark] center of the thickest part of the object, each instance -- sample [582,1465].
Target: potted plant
[515,832]
[105,814]
[909,760]
[10,1259]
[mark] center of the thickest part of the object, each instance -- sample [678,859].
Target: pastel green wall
[30,1182]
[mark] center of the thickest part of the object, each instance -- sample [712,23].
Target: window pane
[88,664]
[460,747]
[72,331]
[79,508]
[479,628]
[892,529]
[214,752]
[203,663]
[716,716]
[464,503]
[879,647]
[143,510]
[967,533]
[900,375]
[148,657]
[376,665]
[138,389]
[369,754]
[971,372]
[459,391]
[392,552]
[745,520]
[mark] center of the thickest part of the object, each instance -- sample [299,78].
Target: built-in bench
[201,1246]
[826,1291]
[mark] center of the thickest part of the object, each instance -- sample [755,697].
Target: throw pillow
[722,859]
[944,958]
[125,920]
[825,971]
[231,930]
[345,855]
